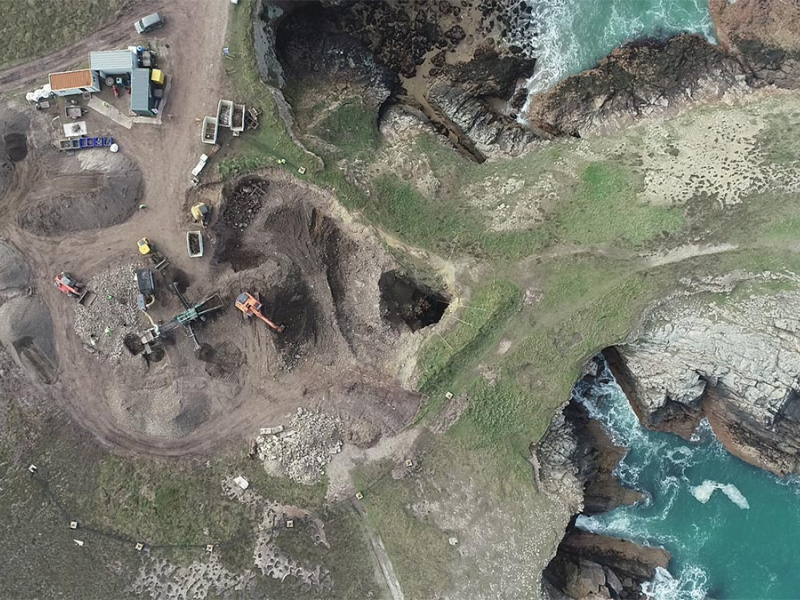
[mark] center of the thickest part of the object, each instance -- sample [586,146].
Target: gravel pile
[304,448]
[113,314]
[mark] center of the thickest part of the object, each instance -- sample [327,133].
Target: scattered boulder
[302,451]
[590,566]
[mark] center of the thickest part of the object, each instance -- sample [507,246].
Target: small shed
[141,98]
[68,83]
[112,62]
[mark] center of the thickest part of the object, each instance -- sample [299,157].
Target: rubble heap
[304,448]
[103,325]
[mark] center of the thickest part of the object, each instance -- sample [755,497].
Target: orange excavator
[249,305]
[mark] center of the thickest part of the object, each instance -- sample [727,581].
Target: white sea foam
[556,47]
[704,491]
[561,47]
[691,584]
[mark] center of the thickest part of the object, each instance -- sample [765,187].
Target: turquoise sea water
[573,35]
[733,530]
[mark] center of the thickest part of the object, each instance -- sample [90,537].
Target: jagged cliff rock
[589,566]
[310,47]
[576,455]
[463,94]
[736,363]
[638,79]
[759,46]
[418,53]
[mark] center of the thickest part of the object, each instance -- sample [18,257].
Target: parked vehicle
[149,23]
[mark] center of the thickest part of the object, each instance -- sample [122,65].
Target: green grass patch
[444,227]
[445,357]
[352,127]
[29,29]
[264,146]
[347,559]
[604,208]
[781,138]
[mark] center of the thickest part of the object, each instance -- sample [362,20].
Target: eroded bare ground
[317,275]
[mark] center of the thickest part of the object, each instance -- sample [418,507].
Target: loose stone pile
[305,448]
[104,323]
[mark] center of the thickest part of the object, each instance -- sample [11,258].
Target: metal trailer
[224,113]
[210,130]
[237,121]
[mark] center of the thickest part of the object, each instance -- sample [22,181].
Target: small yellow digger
[201,214]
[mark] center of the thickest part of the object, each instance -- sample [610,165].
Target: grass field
[31,29]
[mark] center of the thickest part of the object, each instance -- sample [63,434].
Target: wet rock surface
[588,565]
[735,363]
[638,79]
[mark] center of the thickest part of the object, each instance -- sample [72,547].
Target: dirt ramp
[26,329]
[97,189]
[14,271]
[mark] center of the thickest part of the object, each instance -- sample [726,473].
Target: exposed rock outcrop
[464,94]
[310,47]
[590,566]
[639,79]
[764,35]
[577,454]
[736,363]
[420,53]
[759,46]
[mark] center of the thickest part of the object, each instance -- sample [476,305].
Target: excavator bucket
[86,298]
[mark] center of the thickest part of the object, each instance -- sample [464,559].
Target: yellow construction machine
[201,214]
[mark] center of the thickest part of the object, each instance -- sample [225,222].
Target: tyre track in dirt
[34,72]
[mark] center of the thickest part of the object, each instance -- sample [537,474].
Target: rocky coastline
[462,65]
[449,65]
[736,365]
[577,452]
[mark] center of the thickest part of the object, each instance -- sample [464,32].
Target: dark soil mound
[292,305]
[14,271]
[16,146]
[243,202]
[91,199]
[405,302]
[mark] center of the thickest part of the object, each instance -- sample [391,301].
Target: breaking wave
[680,479]
[692,584]
[704,491]
[569,36]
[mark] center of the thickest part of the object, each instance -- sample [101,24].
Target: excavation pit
[408,303]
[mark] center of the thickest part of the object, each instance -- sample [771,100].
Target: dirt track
[314,270]
[115,34]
